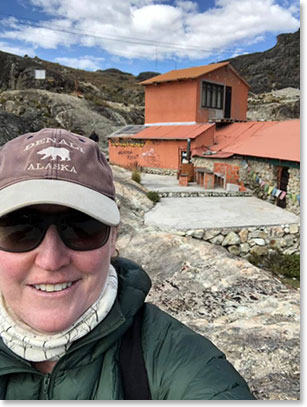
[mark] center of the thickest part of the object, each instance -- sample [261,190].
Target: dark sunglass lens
[81,232]
[20,232]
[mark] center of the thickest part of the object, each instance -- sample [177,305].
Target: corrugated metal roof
[275,140]
[169,132]
[187,73]
[279,140]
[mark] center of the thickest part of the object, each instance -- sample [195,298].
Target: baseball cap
[56,166]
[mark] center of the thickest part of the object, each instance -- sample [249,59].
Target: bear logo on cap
[55,152]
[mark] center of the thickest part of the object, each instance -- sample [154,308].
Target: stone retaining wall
[159,171]
[186,194]
[260,240]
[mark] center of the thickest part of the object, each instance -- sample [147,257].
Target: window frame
[207,89]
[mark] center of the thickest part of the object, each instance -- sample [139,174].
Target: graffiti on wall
[127,143]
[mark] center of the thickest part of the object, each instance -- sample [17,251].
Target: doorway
[283,178]
[227,113]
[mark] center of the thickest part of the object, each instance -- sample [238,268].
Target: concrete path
[216,212]
[209,212]
[167,183]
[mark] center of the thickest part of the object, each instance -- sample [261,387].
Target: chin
[49,326]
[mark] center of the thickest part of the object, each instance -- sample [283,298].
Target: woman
[64,308]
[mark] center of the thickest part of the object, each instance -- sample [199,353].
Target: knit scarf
[37,347]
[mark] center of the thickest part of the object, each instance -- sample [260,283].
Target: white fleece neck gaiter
[37,347]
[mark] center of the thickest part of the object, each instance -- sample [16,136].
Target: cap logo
[55,152]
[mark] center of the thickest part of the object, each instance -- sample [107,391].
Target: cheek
[93,261]
[14,270]
[14,266]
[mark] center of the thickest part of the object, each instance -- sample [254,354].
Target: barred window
[212,95]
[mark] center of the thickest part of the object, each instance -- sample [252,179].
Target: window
[213,95]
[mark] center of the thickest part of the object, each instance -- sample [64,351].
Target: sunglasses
[24,230]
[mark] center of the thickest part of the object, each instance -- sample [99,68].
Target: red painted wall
[224,76]
[146,153]
[153,153]
[180,101]
[231,170]
[171,102]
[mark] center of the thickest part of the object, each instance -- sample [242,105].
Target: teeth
[52,287]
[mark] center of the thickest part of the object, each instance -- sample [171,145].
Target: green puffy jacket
[181,365]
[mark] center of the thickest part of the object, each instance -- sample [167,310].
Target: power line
[117,38]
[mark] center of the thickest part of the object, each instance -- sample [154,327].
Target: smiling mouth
[52,287]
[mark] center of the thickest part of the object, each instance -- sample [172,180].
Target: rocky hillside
[17,73]
[249,314]
[282,104]
[276,68]
[23,111]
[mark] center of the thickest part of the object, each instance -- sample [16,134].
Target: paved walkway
[209,212]
[169,183]
[216,212]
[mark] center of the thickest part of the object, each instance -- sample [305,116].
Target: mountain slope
[276,68]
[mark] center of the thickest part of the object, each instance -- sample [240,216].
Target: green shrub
[136,176]
[285,266]
[153,196]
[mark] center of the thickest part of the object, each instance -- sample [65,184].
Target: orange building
[157,146]
[196,95]
[179,106]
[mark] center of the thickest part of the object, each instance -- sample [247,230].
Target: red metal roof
[172,132]
[187,73]
[275,140]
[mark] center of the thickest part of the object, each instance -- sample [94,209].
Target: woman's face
[80,276]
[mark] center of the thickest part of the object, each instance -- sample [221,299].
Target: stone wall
[159,171]
[201,194]
[260,240]
[294,187]
[268,172]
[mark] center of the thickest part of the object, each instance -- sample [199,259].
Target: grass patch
[284,266]
[136,176]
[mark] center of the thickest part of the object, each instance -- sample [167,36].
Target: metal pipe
[189,150]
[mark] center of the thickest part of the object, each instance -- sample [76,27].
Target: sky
[143,35]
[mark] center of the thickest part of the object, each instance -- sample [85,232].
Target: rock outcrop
[280,104]
[38,108]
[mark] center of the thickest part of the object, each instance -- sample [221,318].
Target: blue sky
[143,35]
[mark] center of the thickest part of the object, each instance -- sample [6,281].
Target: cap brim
[57,192]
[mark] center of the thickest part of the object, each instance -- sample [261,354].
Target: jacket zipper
[45,387]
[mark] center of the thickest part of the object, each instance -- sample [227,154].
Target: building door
[283,178]
[227,113]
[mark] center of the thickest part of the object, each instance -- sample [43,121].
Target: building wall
[171,102]
[164,154]
[204,139]
[146,153]
[180,101]
[268,172]
[224,76]
[229,167]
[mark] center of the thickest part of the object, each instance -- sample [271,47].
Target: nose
[52,254]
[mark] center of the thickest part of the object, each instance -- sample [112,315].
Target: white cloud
[21,51]
[186,5]
[85,63]
[150,29]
